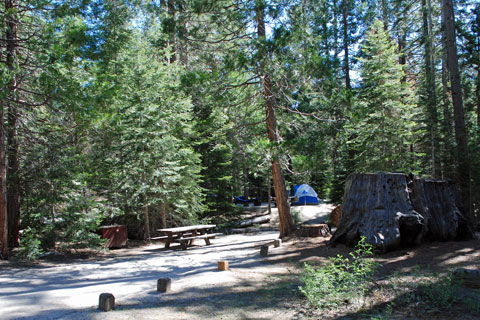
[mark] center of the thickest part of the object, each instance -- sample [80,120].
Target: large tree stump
[378,207]
[439,203]
[390,212]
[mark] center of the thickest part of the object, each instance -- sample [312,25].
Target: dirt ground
[255,287]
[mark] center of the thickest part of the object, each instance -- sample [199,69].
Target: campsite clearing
[255,287]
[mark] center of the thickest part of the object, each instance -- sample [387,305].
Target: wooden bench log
[106,302]
[164,284]
[201,236]
[264,251]
[223,266]
[159,238]
[165,237]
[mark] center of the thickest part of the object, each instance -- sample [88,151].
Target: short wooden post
[264,251]
[277,243]
[223,266]
[106,302]
[164,284]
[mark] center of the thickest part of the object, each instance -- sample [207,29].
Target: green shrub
[341,280]
[30,246]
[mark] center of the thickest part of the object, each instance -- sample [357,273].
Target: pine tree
[156,166]
[384,124]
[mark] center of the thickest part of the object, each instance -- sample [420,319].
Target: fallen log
[250,215]
[252,221]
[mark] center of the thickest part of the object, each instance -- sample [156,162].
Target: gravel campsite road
[70,289]
[65,291]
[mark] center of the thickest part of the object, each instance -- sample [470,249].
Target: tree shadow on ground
[249,299]
[277,294]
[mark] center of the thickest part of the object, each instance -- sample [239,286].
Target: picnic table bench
[187,235]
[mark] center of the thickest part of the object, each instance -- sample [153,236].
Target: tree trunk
[269,195]
[402,56]
[244,174]
[182,40]
[378,207]
[478,103]
[432,123]
[3,191]
[458,113]
[146,216]
[171,32]
[164,214]
[448,160]
[385,14]
[348,84]
[287,226]
[335,34]
[11,212]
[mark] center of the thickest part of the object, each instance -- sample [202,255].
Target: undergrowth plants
[342,280]
[346,284]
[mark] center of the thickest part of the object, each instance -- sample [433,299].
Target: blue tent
[305,195]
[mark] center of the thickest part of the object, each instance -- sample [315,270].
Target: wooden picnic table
[188,234]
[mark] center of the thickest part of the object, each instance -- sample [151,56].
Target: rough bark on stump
[378,207]
[438,201]
[314,230]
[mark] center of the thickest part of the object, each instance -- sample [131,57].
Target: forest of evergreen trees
[155,113]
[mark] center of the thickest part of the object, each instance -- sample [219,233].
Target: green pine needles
[384,119]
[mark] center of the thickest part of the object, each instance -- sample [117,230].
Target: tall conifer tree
[385,121]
